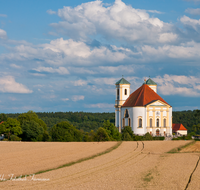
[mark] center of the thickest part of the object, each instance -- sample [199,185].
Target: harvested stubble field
[133,165]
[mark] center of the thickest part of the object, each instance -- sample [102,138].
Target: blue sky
[67,55]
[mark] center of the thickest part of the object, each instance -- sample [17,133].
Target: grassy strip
[178,149]
[71,163]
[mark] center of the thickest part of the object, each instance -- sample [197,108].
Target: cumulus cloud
[193,11]
[99,105]
[15,66]
[178,85]
[194,23]
[51,12]
[76,98]
[68,52]
[3,34]
[65,99]
[118,21]
[185,51]
[8,84]
[60,70]
[3,15]
[80,83]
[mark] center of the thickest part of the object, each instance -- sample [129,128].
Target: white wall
[137,112]
[170,120]
[182,132]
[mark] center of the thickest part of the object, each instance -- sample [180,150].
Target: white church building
[143,110]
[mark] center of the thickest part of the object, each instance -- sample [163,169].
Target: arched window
[123,122]
[125,91]
[126,115]
[164,122]
[140,123]
[129,122]
[157,122]
[150,122]
[117,94]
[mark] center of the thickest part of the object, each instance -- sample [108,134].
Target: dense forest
[78,126]
[81,120]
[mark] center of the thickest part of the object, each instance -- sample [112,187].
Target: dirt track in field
[192,148]
[21,158]
[133,165]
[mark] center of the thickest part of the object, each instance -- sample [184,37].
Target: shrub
[15,138]
[147,137]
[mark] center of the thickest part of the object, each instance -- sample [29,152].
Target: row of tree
[26,127]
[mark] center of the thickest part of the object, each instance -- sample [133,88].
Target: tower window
[157,122]
[123,122]
[117,94]
[125,91]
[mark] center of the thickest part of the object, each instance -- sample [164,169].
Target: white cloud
[80,83]
[3,34]
[60,70]
[51,12]
[118,21]
[3,15]
[185,51]
[193,11]
[167,37]
[76,98]
[15,66]
[99,105]
[68,52]
[178,85]
[190,22]
[8,84]
[154,11]
[65,99]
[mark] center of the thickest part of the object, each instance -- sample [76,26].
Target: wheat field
[133,165]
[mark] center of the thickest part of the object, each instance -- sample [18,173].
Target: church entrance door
[157,132]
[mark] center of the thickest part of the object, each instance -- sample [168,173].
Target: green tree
[112,131]
[3,117]
[34,129]
[65,132]
[10,127]
[127,133]
[101,135]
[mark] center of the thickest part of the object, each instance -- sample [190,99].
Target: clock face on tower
[157,113]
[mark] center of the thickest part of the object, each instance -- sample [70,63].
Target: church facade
[143,110]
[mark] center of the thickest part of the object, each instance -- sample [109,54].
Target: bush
[147,137]
[15,138]
[101,135]
[128,130]
[159,138]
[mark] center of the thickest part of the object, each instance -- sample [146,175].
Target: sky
[67,55]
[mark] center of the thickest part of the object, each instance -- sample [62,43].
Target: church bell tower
[122,93]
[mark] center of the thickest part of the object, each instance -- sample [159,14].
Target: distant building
[179,129]
[143,110]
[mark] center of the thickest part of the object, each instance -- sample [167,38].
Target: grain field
[133,165]
[21,158]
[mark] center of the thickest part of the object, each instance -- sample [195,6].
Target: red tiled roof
[1,122]
[142,96]
[178,126]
